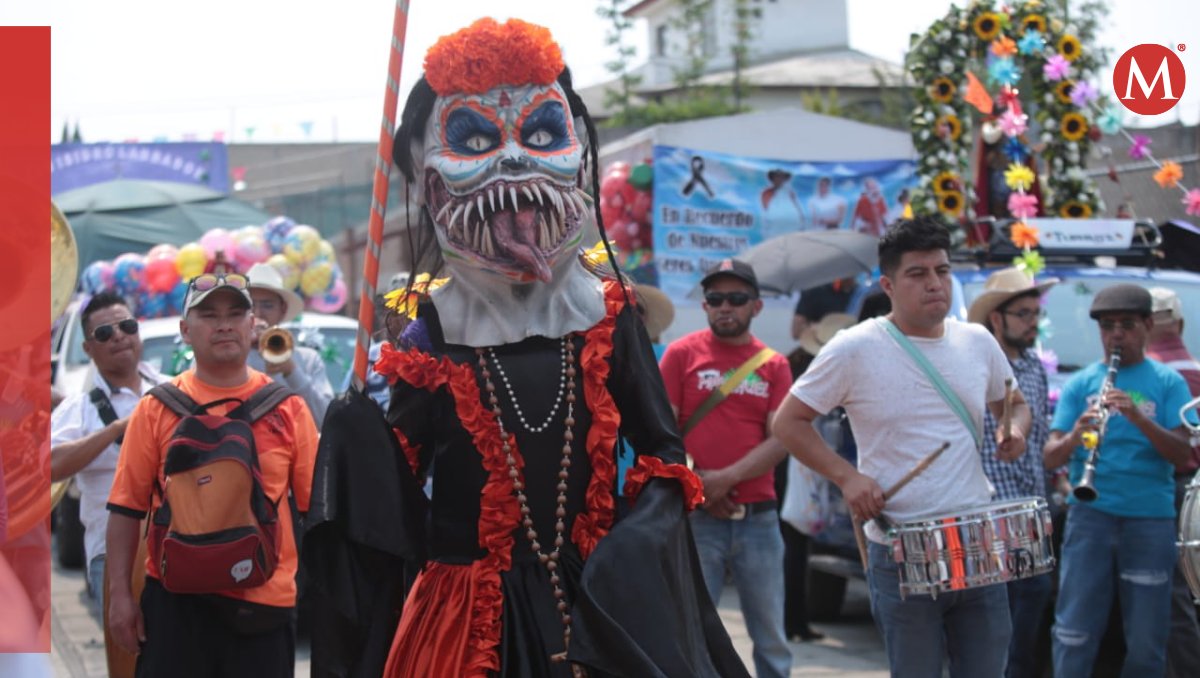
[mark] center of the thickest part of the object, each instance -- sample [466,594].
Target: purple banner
[77,165]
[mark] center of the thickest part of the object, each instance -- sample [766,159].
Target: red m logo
[1158,94]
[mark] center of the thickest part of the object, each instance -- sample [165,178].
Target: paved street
[851,648]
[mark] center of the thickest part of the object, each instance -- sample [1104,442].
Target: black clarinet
[1086,489]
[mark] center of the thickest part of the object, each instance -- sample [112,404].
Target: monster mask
[502,180]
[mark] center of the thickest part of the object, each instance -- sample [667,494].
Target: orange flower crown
[487,54]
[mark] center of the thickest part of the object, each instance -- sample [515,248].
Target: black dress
[638,604]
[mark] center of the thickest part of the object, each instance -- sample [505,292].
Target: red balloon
[641,208]
[611,186]
[160,275]
[622,233]
[610,213]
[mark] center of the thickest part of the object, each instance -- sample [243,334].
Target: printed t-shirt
[1132,478]
[286,442]
[695,366]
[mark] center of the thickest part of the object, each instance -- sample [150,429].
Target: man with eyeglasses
[87,428]
[1010,307]
[724,386]
[1122,544]
[206,635]
[304,372]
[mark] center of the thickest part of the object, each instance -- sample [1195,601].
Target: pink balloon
[250,249]
[164,251]
[332,301]
[217,240]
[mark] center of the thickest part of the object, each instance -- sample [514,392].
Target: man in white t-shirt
[82,443]
[898,418]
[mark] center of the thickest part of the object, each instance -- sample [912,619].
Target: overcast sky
[151,69]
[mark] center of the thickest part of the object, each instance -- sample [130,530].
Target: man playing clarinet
[1120,534]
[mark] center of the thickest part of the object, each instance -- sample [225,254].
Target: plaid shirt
[1024,477]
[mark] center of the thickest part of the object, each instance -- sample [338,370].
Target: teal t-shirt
[1132,479]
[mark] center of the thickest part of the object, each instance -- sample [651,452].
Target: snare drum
[1189,537]
[991,544]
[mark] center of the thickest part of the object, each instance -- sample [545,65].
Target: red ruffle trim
[592,526]
[411,452]
[653,467]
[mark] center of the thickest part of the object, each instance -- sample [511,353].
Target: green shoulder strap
[939,383]
[756,361]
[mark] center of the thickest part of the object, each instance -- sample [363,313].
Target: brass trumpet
[1086,489]
[275,345]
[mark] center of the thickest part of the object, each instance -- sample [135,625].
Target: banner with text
[79,165]
[709,206]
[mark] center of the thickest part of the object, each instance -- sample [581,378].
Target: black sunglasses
[715,299]
[105,332]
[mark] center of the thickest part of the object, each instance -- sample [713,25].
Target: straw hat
[814,337]
[1002,286]
[266,277]
[660,312]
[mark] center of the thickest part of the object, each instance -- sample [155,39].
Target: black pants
[187,637]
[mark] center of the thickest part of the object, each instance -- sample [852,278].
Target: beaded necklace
[566,391]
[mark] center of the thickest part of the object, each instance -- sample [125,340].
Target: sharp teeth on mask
[441,215]
[454,217]
[537,193]
[552,224]
[580,208]
[479,206]
[487,240]
[477,238]
[512,193]
[584,194]
[543,235]
[491,200]
[500,195]
[528,195]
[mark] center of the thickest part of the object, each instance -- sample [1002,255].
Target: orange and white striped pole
[379,196]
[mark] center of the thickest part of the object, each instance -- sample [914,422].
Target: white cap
[1164,300]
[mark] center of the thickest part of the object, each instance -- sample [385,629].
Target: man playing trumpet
[1123,540]
[299,368]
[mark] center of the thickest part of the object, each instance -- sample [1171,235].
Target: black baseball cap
[1124,298]
[733,268]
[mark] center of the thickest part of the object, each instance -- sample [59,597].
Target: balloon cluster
[626,205]
[156,283]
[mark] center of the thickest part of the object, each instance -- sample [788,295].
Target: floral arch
[1029,63]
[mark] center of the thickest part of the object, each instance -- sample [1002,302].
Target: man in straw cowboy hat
[1010,308]
[304,371]
[898,417]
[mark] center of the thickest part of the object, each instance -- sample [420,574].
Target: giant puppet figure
[511,388]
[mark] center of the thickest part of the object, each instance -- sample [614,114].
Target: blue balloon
[276,231]
[176,297]
[97,277]
[127,272]
[152,305]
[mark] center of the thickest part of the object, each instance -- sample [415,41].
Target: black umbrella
[805,259]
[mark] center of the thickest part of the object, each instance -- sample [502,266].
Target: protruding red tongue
[516,235]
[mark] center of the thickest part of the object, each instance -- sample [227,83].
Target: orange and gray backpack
[216,528]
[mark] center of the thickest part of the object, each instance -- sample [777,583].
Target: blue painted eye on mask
[545,129]
[469,133]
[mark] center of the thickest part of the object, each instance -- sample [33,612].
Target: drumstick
[917,470]
[1006,420]
[859,536]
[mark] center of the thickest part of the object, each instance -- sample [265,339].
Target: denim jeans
[1103,554]
[972,625]
[95,581]
[752,549]
[1027,603]
[1183,648]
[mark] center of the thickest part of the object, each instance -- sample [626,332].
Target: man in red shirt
[1166,346]
[738,528]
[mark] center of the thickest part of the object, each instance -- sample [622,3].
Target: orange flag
[977,95]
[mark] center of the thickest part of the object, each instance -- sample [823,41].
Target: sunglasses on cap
[715,299]
[105,332]
[210,281]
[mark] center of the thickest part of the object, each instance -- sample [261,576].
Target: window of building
[660,40]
